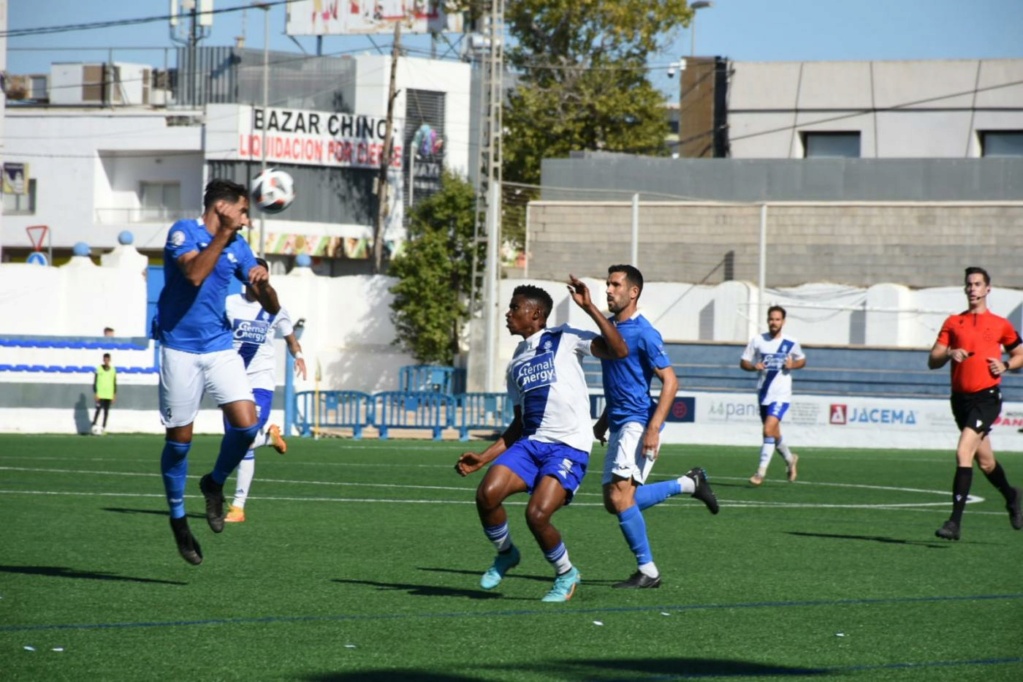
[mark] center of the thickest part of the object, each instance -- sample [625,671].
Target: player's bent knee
[248,433]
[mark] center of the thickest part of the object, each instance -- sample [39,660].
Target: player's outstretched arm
[296,352]
[265,294]
[610,345]
[600,427]
[939,356]
[471,462]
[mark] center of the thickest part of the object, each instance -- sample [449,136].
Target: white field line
[467,490]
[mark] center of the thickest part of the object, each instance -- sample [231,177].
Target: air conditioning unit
[107,84]
[28,88]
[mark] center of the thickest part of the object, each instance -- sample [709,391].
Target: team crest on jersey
[251,331]
[230,257]
[536,372]
[177,238]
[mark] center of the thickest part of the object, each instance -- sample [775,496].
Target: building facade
[99,160]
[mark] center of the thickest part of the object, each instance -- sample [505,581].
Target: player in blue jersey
[545,450]
[196,351]
[775,355]
[635,421]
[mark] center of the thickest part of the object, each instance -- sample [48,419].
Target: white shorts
[625,458]
[185,377]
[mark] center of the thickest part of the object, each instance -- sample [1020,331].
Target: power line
[114,23]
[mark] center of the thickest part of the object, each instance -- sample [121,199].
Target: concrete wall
[915,244]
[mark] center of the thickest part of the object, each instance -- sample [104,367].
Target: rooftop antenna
[199,14]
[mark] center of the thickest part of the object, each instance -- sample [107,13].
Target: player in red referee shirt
[973,340]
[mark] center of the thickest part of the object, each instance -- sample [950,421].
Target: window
[1001,143]
[21,204]
[160,201]
[840,145]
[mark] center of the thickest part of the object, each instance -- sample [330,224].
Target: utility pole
[385,162]
[266,115]
[486,273]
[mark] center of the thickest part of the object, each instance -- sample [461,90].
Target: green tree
[583,84]
[431,298]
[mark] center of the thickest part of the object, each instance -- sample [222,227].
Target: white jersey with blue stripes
[546,380]
[254,330]
[775,383]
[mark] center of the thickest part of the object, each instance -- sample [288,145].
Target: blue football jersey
[192,318]
[627,380]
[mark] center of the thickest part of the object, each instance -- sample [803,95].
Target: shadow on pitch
[62,572]
[931,544]
[518,576]
[590,669]
[422,590]
[479,572]
[157,512]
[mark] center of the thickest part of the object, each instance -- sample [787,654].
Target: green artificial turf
[360,560]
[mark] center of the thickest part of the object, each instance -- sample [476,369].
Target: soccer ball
[97,430]
[273,191]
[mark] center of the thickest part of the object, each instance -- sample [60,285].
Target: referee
[973,341]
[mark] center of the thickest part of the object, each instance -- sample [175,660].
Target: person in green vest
[104,386]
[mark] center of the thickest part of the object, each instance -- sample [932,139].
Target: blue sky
[742,30]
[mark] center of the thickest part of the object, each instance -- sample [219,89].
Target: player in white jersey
[254,330]
[775,356]
[545,450]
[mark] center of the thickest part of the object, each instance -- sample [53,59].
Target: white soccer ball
[97,430]
[273,190]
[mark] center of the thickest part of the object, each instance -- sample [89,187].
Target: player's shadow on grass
[930,544]
[157,512]
[422,590]
[590,669]
[389,675]
[62,572]
[477,573]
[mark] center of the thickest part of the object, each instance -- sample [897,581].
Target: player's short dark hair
[219,189]
[539,297]
[974,270]
[779,309]
[106,356]
[632,275]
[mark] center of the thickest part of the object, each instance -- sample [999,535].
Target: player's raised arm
[609,345]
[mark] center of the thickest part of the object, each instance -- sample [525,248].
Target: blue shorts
[531,460]
[777,410]
[264,400]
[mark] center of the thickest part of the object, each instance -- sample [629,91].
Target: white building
[952,109]
[99,161]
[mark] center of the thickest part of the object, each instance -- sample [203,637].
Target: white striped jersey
[546,380]
[254,330]
[775,383]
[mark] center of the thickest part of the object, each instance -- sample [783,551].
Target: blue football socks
[633,527]
[233,447]
[654,493]
[174,467]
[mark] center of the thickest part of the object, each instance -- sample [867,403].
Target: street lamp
[696,7]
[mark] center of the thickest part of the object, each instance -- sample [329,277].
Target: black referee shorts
[977,411]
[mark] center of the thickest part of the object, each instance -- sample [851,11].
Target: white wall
[349,335]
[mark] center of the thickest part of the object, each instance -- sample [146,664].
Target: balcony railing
[115,216]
